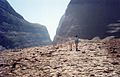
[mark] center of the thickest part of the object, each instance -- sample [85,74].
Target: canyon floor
[99,58]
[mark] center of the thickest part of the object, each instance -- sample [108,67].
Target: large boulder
[89,19]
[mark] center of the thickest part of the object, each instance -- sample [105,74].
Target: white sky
[44,12]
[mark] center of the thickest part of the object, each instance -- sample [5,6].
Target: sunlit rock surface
[16,32]
[89,19]
[96,58]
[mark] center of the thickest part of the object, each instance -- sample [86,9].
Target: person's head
[76,36]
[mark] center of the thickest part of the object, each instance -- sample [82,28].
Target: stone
[90,19]
[16,32]
[62,62]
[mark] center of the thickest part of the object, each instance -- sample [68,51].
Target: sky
[44,12]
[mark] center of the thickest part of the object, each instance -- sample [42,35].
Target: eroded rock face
[89,19]
[16,32]
[98,58]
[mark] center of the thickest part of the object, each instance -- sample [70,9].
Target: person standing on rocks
[76,42]
[70,44]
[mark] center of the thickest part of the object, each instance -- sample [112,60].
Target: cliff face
[89,19]
[16,32]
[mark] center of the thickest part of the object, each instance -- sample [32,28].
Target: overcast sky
[45,12]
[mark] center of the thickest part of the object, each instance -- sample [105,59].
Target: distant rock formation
[89,19]
[16,32]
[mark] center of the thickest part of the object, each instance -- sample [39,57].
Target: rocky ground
[95,59]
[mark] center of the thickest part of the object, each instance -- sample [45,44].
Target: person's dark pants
[76,46]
